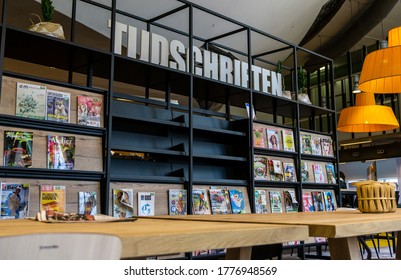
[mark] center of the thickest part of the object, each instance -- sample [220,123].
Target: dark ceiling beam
[342,43]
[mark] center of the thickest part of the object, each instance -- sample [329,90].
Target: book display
[276,202]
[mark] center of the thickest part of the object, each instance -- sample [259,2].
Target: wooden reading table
[150,237]
[340,227]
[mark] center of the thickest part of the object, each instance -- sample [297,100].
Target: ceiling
[327,27]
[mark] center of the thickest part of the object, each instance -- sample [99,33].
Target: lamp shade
[394,37]
[381,71]
[366,116]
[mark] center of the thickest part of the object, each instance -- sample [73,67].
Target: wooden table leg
[243,253]
[344,249]
[398,243]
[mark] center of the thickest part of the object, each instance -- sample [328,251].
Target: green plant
[47,9]
[302,79]
[279,70]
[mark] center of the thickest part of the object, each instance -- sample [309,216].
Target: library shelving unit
[163,125]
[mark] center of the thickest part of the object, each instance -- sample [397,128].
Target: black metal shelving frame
[96,63]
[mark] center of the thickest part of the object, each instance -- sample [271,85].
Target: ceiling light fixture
[356,83]
[381,70]
[366,116]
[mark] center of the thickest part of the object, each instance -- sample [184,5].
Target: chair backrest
[60,246]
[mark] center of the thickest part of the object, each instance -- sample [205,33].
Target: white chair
[60,246]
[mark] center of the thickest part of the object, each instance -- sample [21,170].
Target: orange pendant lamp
[381,70]
[366,116]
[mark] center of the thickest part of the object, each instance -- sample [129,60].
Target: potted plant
[46,26]
[285,93]
[302,83]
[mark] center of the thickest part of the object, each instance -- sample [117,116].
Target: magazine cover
[276,202]
[306,144]
[318,200]
[14,201]
[318,173]
[329,201]
[305,177]
[18,148]
[146,203]
[289,172]
[272,139]
[52,199]
[89,110]
[307,202]
[261,202]
[316,146]
[200,202]
[60,152]
[331,174]
[260,167]
[288,140]
[259,136]
[58,106]
[327,147]
[31,101]
[87,203]
[276,170]
[290,201]
[177,201]
[218,201]
[123,203]
[237,201]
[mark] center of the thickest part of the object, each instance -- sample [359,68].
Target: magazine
[261,202]
[318,201]
[87,203]
[260,167]
[329,201]
[14,201]
[31,101]
[89,110]
[177,201]
[58,106]
[272,139]
[52,199]
[305,176]
[259,136]
[123,203]
[276,205]
[276,170]
[306,144]
[60,152]
[331,174]
[218,201]
[290,201]
[18,148]
[289,172]
[200,202]
[307,202]
[288,140]
[316,146]
[146,203]
[327,147]
[318,173]
[237,201]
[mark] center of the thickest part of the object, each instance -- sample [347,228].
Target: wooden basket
[376,197]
